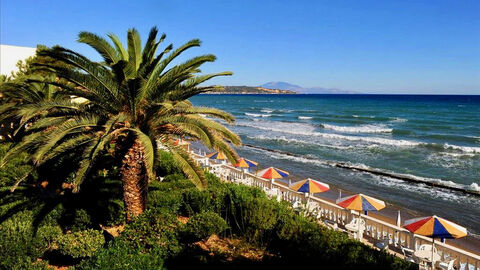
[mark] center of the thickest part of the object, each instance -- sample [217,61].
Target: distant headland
[281,88]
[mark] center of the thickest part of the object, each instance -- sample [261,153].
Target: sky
[390,47]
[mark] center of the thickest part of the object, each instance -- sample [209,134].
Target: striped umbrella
[272,173]
[180,142]
[310,186]
[246,163]
[360,202]
[435,227]
[217,155]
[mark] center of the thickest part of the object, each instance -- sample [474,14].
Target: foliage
[119,256]
[157,230]
[135,102]
[202,225]
[21,244]
[80,244]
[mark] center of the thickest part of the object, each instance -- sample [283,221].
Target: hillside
[304,90]
[251,90]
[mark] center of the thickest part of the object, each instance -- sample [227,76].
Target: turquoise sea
[421,137]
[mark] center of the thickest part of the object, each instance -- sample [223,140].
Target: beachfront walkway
[374,232]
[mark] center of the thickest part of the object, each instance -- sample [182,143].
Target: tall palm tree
[135,100]
[17,97]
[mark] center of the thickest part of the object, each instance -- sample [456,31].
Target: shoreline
[374,171]
[389,214]
[469,243]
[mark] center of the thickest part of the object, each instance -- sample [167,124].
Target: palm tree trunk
[135,181]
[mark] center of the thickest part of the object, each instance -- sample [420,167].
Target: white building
[10,55]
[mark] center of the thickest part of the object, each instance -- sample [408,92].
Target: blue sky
[424,47]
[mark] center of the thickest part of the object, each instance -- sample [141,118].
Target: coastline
[389,214]
[469,243]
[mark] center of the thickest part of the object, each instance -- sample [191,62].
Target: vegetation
[132,104]
[113,143]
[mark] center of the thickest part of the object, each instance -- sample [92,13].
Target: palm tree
[135,103]
[19,96]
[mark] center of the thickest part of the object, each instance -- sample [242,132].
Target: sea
[428,138]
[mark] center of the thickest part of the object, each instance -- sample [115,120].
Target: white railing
[375,229]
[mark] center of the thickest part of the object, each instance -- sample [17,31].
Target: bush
[172,200]
[201,226]
[80,244]
[166,164]
[20,245]
[156,229]
[119,256]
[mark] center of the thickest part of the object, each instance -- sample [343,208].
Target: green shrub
[156,229]
[166,164]
[201,226]
[80,244]
[119,256]
[20,244]
[172,200]
[76,220]
[196,201]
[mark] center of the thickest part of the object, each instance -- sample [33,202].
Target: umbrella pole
[433,248]
[358,224]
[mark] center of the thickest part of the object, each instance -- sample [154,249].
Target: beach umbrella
[180,142]
[360,202]
[272,173]
[435,227]
[217,155]
[246,163]
[184,143]
[310,186]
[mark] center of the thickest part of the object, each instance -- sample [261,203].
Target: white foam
[474,187]
[293,140]
[356,116]
[398,120]
[266,111]
[466,149]
[305,117]
[258,115]
[309,130]
[359,129]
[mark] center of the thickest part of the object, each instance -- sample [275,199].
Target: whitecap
[258,115]
[466,149]
[359,129]
[474,187]
[304,117]
[398,120]
[266,110]
[310,130]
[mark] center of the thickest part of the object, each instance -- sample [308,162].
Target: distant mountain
[302,90]
[251,90]
[282,85]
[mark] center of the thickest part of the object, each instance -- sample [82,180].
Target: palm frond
[100,45]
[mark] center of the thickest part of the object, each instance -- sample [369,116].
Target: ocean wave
[305,117]
[398,120]
[474,187]
[359,129]
[310,130]
[304,129]
[466,149]
[384,173]
[293,140]
[266,110]
[258,115]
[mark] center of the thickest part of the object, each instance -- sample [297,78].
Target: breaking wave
[359,129]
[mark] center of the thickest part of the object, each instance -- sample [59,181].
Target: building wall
[10,55]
